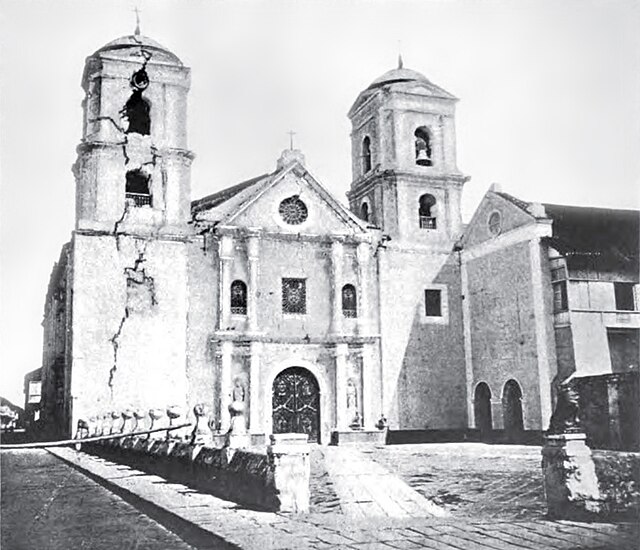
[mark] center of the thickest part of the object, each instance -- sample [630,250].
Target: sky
[549,105]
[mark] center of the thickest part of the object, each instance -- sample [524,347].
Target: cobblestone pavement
[471,479]
[251,529]
[47,504]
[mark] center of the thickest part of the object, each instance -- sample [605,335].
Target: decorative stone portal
[296,403]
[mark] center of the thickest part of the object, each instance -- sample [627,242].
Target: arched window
[238,298]
[364,211]
[137,188]
[136,111]
[426,212]
[349,301]
[366,154]
[512,410]
[423,147]
[482,408]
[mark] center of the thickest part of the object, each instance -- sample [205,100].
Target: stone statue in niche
[565,416]
[237,408]
[352,404]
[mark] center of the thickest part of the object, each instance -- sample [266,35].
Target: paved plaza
[370,498]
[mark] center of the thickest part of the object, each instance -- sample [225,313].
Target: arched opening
[349,301]
[423,147]
[238,298]
[482,409]
[512,410]
[366,155]
[137,188]
[137,112]
[364,211]
[296,403]
[426,212]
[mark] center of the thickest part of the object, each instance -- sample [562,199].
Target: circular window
[495,223]
[293,211]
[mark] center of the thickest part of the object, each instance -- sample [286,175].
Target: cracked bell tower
[126,267]
[133,166]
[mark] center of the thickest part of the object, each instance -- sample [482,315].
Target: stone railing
[276,481]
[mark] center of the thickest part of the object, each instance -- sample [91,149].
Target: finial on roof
[399,61]
[291,134]
[137,31]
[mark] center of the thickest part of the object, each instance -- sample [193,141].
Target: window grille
[293,211]
[294,296]
[349,301]
[427,222]
[433,303]
[238,298]
[139,199]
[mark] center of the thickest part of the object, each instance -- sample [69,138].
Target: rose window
[293,211]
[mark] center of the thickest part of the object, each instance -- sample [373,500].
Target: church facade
[315,317]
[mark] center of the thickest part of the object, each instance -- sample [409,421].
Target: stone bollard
[155,415]
[127,425]
[173,412]
[288,456]
[138,415]
[570,482]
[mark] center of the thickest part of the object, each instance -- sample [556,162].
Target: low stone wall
[581,484]
[276,481]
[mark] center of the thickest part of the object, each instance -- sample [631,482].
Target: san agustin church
[321,319]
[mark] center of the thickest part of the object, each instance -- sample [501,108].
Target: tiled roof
[211,201]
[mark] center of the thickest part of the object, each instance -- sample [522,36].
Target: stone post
[201,434]
[570,482]
[613,398]
[288,456]
[254,388]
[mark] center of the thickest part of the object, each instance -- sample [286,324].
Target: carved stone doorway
[296,403]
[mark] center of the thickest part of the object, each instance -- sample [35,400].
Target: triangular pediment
[511,214]
[308,207]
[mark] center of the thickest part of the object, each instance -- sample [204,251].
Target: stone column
[570,482]
[253,252]
[224,295]
[226,351]
[342,422]
[613,398]
[290,469]
[255,426]
[336,282]
[362,254]
[497,417]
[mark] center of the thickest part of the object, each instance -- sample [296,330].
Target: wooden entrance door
[296,403]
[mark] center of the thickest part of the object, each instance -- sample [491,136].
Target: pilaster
[362,255]
[337,252]
[226,352]
[253,253]
[224,296]
[342,422]
[254,388]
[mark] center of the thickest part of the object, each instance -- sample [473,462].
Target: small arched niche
[364,211]
[423,150]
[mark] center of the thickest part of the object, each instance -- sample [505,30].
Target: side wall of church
[431,387]
[423,358]
[129,324]
[503,330]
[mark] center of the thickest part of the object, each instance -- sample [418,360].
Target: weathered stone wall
[129,324]
[431,386]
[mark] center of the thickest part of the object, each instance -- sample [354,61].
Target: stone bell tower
[133,164]
[405,178]
[407,183]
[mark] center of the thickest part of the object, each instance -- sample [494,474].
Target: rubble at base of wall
[246,477]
